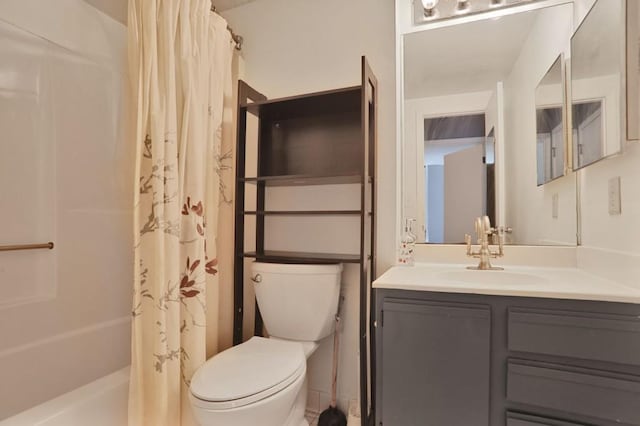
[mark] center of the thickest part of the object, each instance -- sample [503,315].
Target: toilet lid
[258,366]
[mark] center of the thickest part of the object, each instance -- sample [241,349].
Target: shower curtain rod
[237,38]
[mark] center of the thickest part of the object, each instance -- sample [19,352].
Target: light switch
[615,201]
[555,201]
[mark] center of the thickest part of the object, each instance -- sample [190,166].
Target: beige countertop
[523,281]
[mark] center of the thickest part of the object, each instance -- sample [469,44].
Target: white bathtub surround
[64,313]
[180,57]
[522,281]
[102,402]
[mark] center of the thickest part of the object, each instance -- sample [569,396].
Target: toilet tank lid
[297,269]
[248,369]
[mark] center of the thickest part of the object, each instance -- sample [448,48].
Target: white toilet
[263,381]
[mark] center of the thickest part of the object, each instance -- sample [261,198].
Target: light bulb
[463,6]
[429,4]
[429,7]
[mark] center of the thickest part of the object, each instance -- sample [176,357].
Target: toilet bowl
[263,381]
[260,382]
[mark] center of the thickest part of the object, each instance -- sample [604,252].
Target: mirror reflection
[588,135]
[457,184]
[633,69]
[597,71]
[550,130]
[470,134]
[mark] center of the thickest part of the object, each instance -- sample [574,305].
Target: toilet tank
[297,302]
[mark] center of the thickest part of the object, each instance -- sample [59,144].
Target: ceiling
[117,9]
[223,5]
[463,58]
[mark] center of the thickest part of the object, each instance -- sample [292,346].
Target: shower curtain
[180,57]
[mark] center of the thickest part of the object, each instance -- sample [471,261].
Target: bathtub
[100,403]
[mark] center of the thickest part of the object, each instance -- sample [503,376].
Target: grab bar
[48,245]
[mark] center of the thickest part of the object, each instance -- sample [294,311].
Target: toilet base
[296,417]
[268,412]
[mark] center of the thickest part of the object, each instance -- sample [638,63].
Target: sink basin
[491,278]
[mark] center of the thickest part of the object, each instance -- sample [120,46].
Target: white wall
[296,47]
[62,81]
[610,243]
[528,207]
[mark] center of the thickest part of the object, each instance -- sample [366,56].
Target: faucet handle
[467,240]
[499,235]
[504,229]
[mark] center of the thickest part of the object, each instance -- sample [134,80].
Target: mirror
[550,124]
[633,69]
[469,128]
[597,72]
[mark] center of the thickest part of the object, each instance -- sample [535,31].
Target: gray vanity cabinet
[438,358]
[445,359]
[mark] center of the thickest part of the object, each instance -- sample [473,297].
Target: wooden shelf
[322,138]
[308,104]
[302,257]
[303,212]
[302,180]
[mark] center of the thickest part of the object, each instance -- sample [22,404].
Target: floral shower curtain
[180,58]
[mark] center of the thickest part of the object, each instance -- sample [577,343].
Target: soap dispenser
[407,244]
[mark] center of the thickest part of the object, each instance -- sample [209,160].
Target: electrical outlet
[615,201]
[555,201]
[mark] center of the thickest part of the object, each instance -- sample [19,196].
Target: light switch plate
[555,201]
[615,201]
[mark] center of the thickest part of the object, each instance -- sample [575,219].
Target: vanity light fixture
[463,6]
[428,11]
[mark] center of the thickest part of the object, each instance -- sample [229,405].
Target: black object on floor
[332,416]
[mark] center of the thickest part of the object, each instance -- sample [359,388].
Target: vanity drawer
[583,335]
[595,393]
[519,419]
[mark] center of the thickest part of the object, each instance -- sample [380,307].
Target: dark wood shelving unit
[302,180]
[308,104]
[276,256]
[322,138]
[304,213]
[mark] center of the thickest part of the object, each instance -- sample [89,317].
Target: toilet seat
[247,373]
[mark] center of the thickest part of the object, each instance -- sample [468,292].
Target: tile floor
[312,417]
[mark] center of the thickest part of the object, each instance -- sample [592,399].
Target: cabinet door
[519,419]
[435,363]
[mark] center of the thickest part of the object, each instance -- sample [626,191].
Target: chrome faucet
[484,232]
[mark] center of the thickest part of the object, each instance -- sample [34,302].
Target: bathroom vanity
[501,114]
[520,347]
